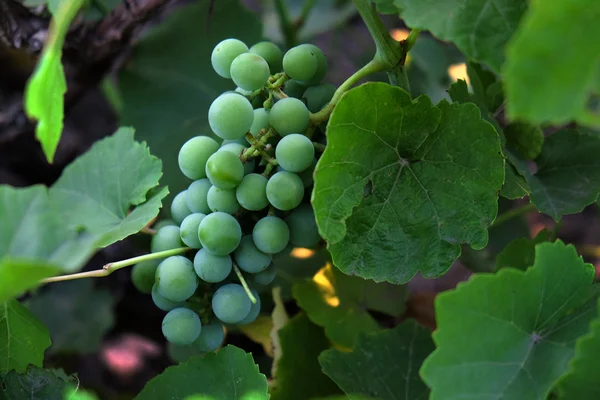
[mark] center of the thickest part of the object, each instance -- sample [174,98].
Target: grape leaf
[167,93]
[35,384]
[479,28]
[96,190]
[229,374]
[515,185]
[86,314]
[35,242]
[299,375]
[383,365]
[292,267]
[544,84]
[23,339]
[516,331]
[525,138]
[44,93]
[520,253]
[581,381]
[259,332]
[403,183]
[340,303]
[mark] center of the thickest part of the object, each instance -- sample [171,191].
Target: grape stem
[244,284]
[319,147]
[512,213]
[278,82]
[114,266]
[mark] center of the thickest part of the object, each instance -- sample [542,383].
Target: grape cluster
[249,199]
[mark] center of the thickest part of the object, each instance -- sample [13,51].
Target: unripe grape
[142,275]
[300,63]
[321,64]
[295,152]
[162,302]
[196,196]
[225,170]
[294,89]
[223,55]
[179,207]
[230,116]
[307,174]
[289,115]
[271,53]
[211,337]
[249,71]
[303,227]
[189,230]
[220,233]
[223,200]
[317,97]
[238,149]
[271,235]
[193,155]
[261,121]
[249,258]
[285,190]
[252,192]
[176,279]
[181,326]
[212,268]
[266,276]
[166,238]
[231,303]
[254,310]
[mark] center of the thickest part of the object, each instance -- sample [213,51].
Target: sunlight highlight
[326,288]
[302,253]
[399,34]
[459,71]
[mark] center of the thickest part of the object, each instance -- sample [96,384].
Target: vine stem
[244,283]
[515,212]
[287,26]
[115,266]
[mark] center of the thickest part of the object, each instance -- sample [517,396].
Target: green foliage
[23,339]
[402,183]
[525,326]
[340,303]
[525,138]
[552,73]
[229,374]
[520,253]
[299,375]
[36,384]
[383,365]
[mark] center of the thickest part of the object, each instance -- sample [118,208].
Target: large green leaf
[229,374]
[403,183]
[520,253]
[96,191]
[299,375]
[23,339]
[544,84]
[340,303]
[86,314]
[383,365]
[479,28]
[35,384]
[516,331]
[167,93]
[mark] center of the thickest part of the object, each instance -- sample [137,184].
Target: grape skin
[295,152]
[176,279]
[179,207]
[289,115]
[300,63]
[166,238]
[294,89]
[254,310]
[230,116]
[307,174]
[231,303]
[322,64]
[265,277]
[249,258]
[271,235]
[238,149]
[318,96]
[223,200]
[181,326]
[220,233]
[211,337]
[303,227]
[249,71]
[252,192]
[163,303]
[142,275]
[189,230]
[261,121]
[193,156]
[224,170]
[196,196]
[223,55]
[285,190]
[211,268]
[271,53]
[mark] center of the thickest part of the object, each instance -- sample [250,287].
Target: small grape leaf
[383,365]
[23,339]
[229,374]
[96,190]
[478,27]
[386,6]
[35,384]
[515,185]
[552,73]
[86,314]
[259,332]
[403,183]
[340,303]
[44,93]
[581,381]
[166,94]
[516,331]
[525,138]
[459,92]
[299,375]
[520,253]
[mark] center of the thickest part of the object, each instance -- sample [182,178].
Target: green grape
[289,115]
[265,277]
[231,303]
[261,121]
[244,92]
[181,353]
[193,156]
[238,149]
[211,337]
[181,326]
[271,235]
[223,55]
[321,64]
[223,200]
[317,97]
[249,71]
[211,268]
[189,230]
[271,53]
[300,63]
[179,207]
[176,279]
[303,227]
[285,190]
[295,152]
[220,233]
[252,192]
[241,141]
[307,174]
[166,238]
[249,258]
[224,170]
[142,275]
[196,196]
[230,116]
[162,302]
[164,222]
[294,89]
[254,310]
